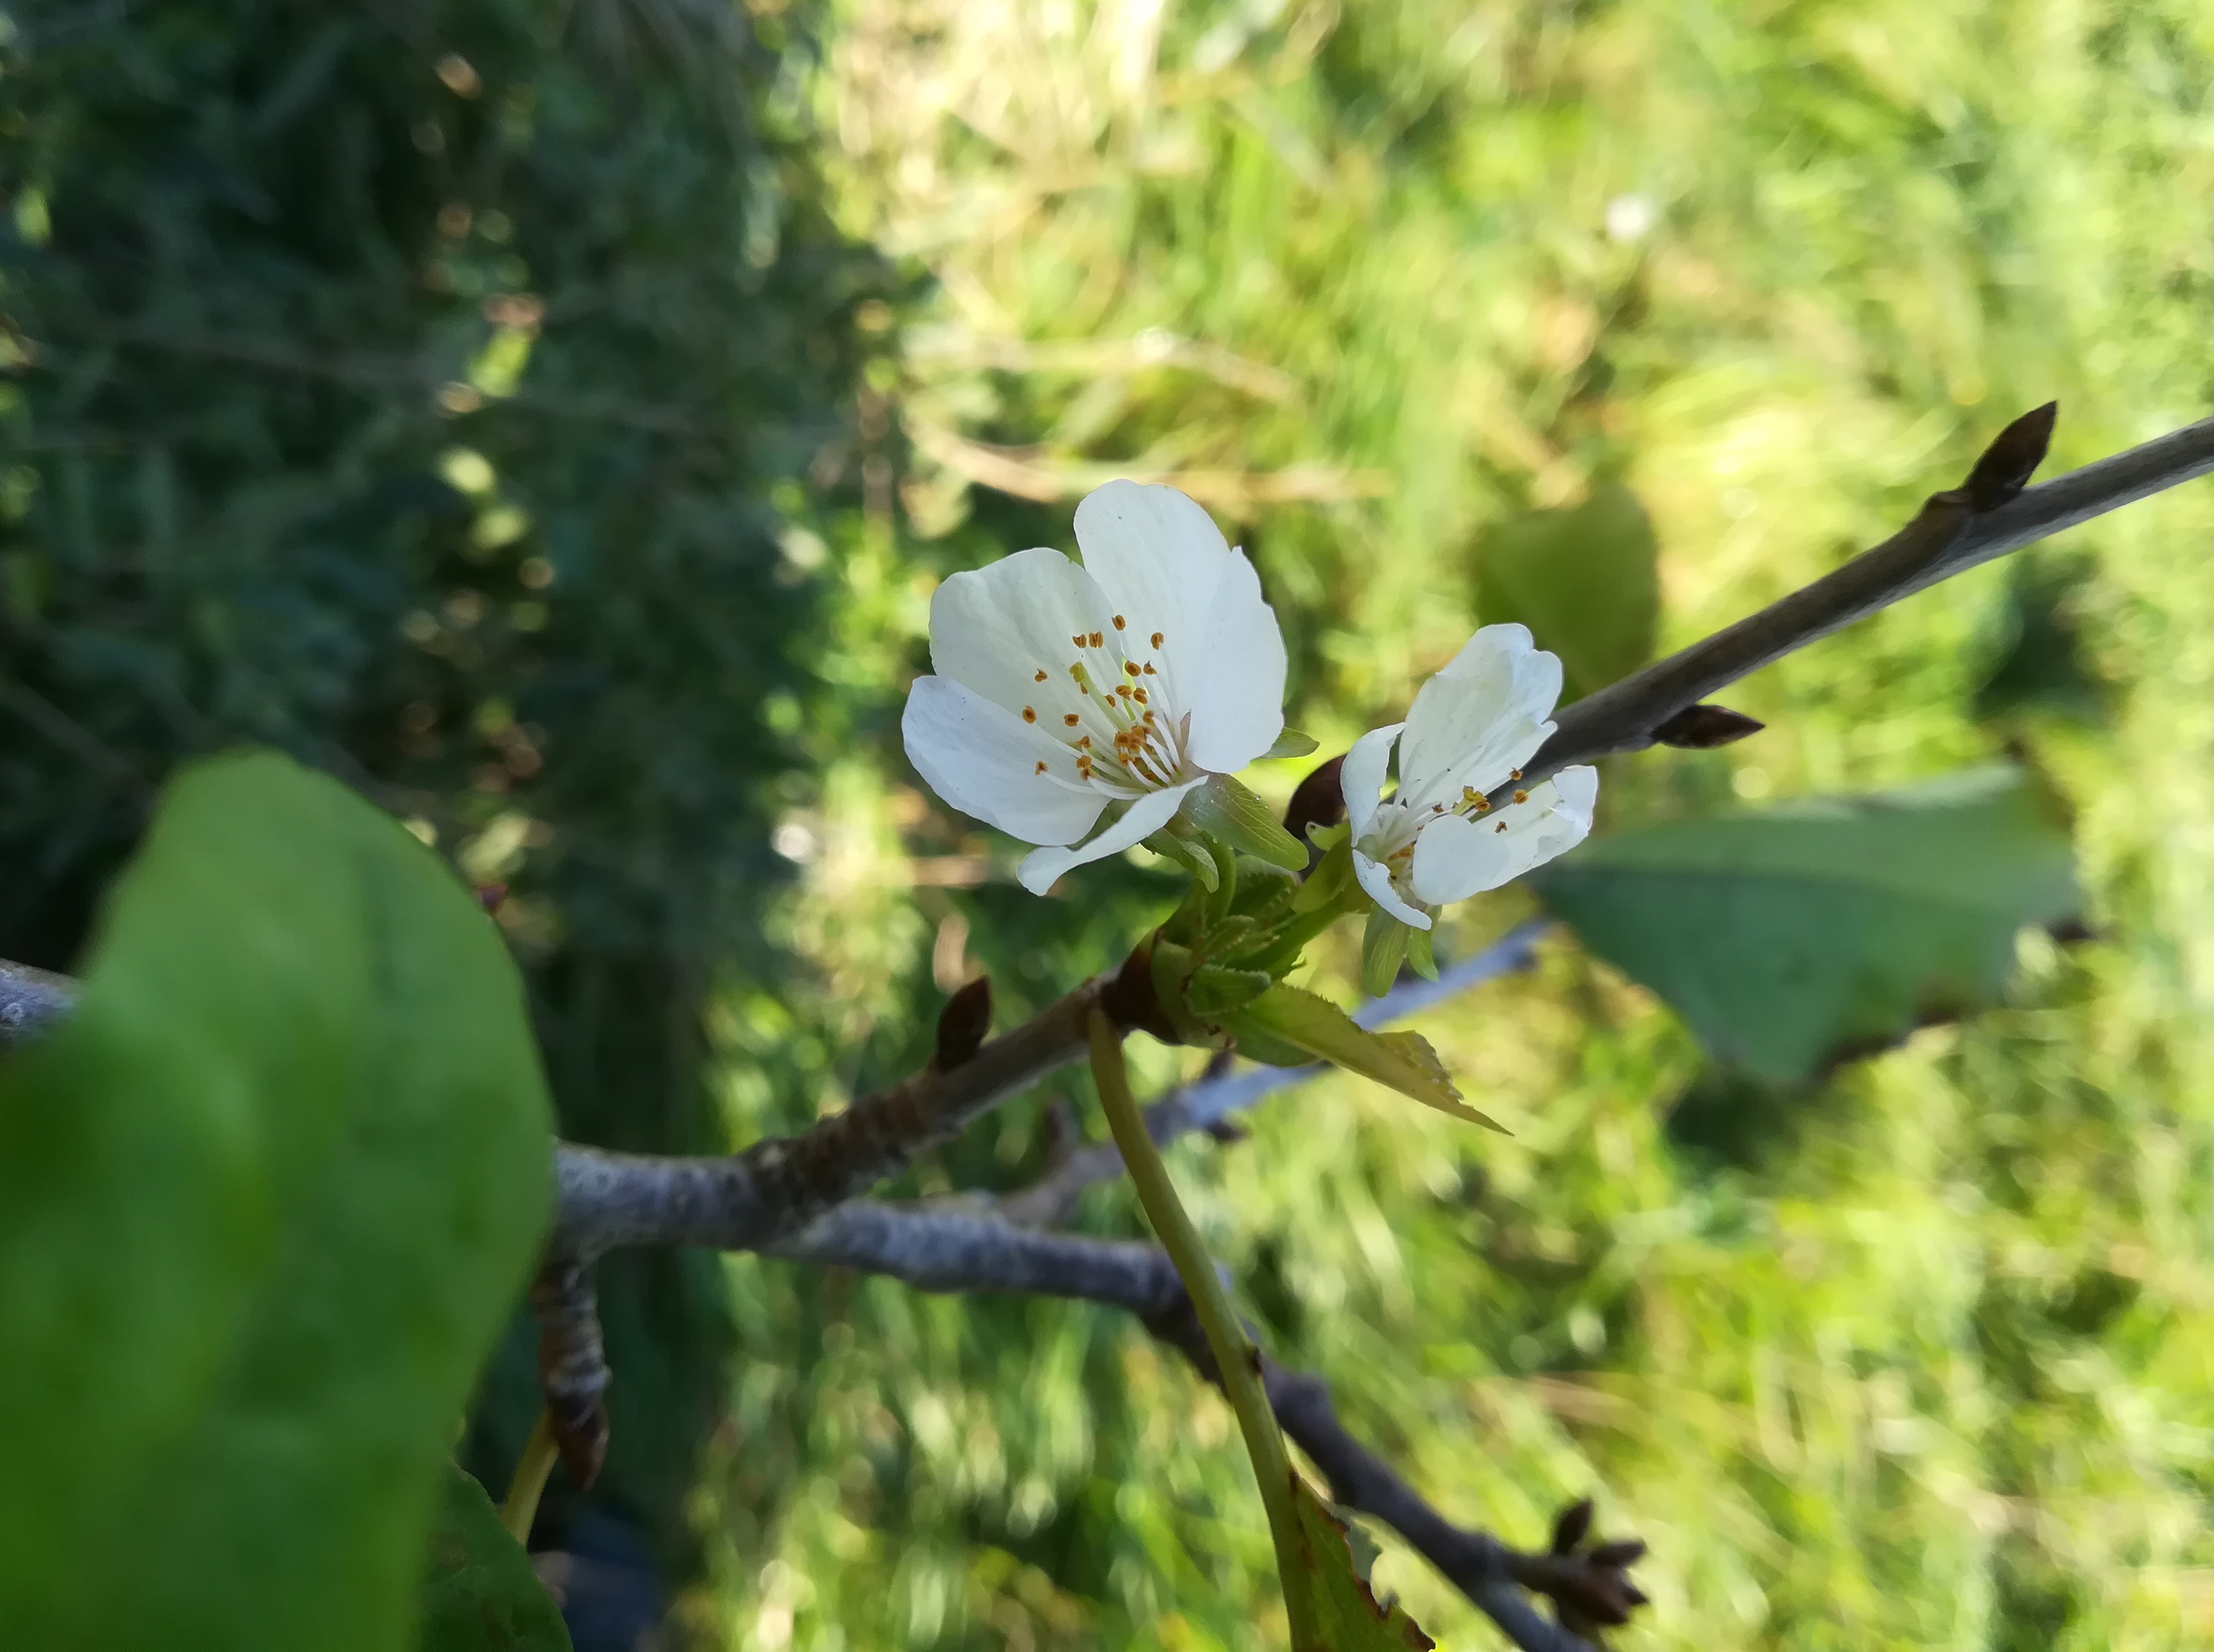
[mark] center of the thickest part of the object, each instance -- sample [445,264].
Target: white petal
[1456,857]
[1360,777]
[1237,694]
[1481,717]
[993,629]
[1040,868]
[984,759]
[1158,557]
[1377,880]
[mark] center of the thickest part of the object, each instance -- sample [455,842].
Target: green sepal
[1231,812]
[1383,945]
[1214,990]
[1422,952]
[1404,1061]
[1292,744]
[1192,857]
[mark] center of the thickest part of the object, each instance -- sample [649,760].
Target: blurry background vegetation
[554,418]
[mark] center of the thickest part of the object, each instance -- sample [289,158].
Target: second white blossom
[1472,727]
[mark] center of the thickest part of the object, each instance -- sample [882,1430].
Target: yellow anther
[1077,640]
[1040,677]
[1071,718]
[1149,670]
[1129,667]
[1041,769]
[1123,689]
[1140,697]
[1514,773]
[1029,713]
[1520,797]
[1157,639]
[1501,827]
[1096,639]
[1120,622]
[1085,744]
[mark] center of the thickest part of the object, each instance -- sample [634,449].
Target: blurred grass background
[1920,1360]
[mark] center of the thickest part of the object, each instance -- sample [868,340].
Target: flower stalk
[1235,1357]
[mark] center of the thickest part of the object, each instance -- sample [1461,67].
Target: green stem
[520,1507]
[1234,1356]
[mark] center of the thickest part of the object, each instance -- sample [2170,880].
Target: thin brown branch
[935,1248]
[1962,529]
[747,1200]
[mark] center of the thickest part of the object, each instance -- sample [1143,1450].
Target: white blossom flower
[1472,727]
[1062,689]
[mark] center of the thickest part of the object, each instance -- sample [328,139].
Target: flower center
[1122,737]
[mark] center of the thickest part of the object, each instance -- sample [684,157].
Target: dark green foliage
[1791,939]
[1586,581]
[2039,661]
[264,1202]
[263,254]
[479,1594]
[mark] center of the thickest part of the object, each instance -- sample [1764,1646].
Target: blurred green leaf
[264,1203]
[1404,1061]
[479,1594]
[1585,581]
[1292,744]
[1351,1618]
[1790,939]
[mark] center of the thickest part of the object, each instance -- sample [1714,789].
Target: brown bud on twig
[1572,1527]
[1131,1001]
[2011,460]
[1318,801]
[1702,728]
[963,1025]
[1590,1587]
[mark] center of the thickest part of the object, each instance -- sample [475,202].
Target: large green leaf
[1584,580]
[1791,937]
[265,1201]
[479,1594]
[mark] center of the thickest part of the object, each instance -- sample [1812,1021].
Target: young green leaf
[1422,952]
[1383,948]
[1792,938]
[1404,1061]
[1292,744]
[1229,811]
[1214,990]
[479,1594]
[1346,1609]
[265,1200]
